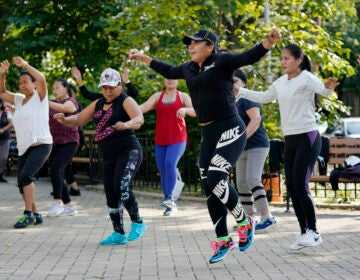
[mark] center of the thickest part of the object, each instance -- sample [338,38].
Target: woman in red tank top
[171,107]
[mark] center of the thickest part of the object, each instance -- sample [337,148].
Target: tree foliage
[55,35]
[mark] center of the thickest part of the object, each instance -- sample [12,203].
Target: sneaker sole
[67,215]
[266,228]
[296,248]
[107,244]
[318,242]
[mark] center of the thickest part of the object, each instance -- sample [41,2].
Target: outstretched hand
[358,60]
[331,83]
[76,73]
[138,56]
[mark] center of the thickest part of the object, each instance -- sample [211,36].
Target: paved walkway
[173,247]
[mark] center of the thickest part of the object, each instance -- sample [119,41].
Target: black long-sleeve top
[211,86]
[90,95]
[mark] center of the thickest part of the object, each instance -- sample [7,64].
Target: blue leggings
[167,158]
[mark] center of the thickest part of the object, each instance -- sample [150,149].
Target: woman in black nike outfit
[209,79]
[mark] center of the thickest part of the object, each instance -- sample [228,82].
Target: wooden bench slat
[344,151]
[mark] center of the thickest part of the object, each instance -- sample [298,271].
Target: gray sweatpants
[249,168]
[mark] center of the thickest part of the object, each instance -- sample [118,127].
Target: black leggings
[119,170]
[221,145]
[59,158]
[30,163]
[300,154]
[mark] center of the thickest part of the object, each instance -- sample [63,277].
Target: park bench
[339,150]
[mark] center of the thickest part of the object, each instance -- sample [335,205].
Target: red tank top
[169,128]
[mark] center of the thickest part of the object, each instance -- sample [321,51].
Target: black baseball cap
[201,35]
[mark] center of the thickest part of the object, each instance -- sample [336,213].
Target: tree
[60,33]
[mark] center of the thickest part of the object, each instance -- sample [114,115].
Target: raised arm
[130,89]
[4,94]
[83,89]
[38,76]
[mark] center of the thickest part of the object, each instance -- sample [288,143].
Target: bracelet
[23,66]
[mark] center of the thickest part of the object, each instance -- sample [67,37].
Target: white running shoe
[311,239]
[296,245]
[69,211]
[170,211]
[55,210]
[167,203]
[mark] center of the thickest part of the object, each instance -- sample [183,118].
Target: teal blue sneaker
[137,230]
[222,249]
[115,239]
[246,233]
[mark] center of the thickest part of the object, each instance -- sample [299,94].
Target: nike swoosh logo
[316,238]
[217,222]
[226,195]
[227,142]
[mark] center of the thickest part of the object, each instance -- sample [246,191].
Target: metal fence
[148,177]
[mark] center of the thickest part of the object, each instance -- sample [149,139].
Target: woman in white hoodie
[295,92]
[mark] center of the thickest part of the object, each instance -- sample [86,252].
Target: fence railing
[148,176]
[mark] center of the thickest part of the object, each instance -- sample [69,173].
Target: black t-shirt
[211,85]
[4,122]
[112,141]
[259,139]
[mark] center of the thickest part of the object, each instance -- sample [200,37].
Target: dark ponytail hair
[216,46]
[297,52]
[66,84]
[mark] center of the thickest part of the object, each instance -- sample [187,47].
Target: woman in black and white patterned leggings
[116,116]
